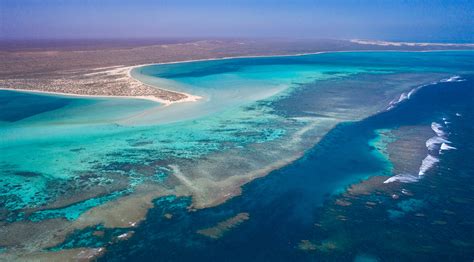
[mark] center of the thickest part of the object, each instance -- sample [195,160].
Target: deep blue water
[51,135]
[13,107]
[285,205]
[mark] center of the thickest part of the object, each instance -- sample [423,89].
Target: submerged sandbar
[208,158]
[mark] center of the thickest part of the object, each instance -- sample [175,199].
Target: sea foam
[404,96]
[435,142]
[452,79]
[427,163]
[438,129]
[402,178]
[435,145]
[445,146]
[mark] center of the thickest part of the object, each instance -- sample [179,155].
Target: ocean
[343,122]
[285,205]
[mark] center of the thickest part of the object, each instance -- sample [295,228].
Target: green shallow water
[72,154]
[305,212]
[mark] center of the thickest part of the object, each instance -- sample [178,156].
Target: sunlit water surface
[56,148]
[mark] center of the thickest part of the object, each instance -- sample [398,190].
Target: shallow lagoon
[305,202]
[253,113]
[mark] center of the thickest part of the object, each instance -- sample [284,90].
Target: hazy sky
[415,20]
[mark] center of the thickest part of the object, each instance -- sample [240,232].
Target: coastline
[411,44]
[150,98]
[259,173]
[188,97]
[153,98]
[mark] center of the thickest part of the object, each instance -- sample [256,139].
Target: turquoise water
[63,156]
[431,222]
[236,82]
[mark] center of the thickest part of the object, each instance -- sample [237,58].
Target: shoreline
[190,97]
[283,55]
[193,98]
[23,90]
[411,44]
[227,197]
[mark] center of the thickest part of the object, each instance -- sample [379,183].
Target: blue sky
[415,20]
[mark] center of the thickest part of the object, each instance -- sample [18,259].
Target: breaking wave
[404,96]
[435,145]
[452,79]
[438,129]
[445,146]
[402,178]
[435,142]
[427,164]
[407,95]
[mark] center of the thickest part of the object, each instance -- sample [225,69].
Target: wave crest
[435,145]
[405,96]
[402,178]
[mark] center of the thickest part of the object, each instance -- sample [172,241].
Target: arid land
[101,67]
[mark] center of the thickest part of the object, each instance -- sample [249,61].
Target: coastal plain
[101,67]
